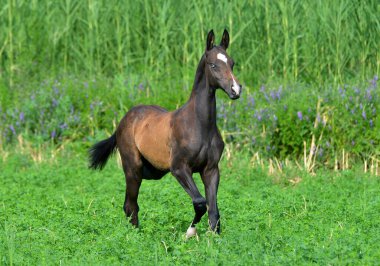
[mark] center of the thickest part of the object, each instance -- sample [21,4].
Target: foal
[153,141]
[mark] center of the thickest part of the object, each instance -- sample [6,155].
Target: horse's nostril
[233,91]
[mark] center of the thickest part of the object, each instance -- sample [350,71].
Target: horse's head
[219,66]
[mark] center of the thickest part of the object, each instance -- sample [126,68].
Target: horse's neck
[203,100]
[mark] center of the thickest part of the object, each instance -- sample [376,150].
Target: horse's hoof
[191,231]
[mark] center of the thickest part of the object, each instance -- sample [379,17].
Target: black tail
[100,152]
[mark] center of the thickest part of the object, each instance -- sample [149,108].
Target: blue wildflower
[299,115]
[63,126]
[11,127]
[22,116]
[374,81]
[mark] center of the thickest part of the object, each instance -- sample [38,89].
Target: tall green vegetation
[313,41]
[72,68]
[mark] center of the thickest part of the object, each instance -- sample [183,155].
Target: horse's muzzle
[235,91]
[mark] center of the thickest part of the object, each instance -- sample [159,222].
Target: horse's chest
[210,151]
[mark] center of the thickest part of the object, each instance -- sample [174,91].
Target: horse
[153,141]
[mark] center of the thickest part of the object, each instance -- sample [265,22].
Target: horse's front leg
[184,177]
[210,178]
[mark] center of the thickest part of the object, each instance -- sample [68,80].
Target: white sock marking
[191,231]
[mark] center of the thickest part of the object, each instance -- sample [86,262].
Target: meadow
[300,171]
[62,213]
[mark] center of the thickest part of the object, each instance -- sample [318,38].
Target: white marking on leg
[222,57]
[191,231]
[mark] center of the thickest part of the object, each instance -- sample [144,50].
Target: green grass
[60,212]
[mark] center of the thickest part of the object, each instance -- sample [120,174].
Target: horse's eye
[212,65]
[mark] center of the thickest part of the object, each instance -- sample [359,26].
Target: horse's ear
[225,39]
[210,40]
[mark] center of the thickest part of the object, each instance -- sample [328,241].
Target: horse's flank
[152,134]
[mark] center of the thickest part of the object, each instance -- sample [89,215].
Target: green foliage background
[312,41]
[70,69]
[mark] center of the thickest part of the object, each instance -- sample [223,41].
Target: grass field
[62,213]
[293,190]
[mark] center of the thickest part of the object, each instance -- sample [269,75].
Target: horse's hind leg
[131,208]
[184,177]
[132,170]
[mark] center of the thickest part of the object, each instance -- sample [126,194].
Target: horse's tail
[101,151]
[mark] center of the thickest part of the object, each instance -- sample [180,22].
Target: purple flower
[299,115]
[53,134]
[141,87]
[63,126]
[279,91]
[11,127]
[353,143]
[368,94]
[371,123]
[259,117]
[275,118]
[364,115]
[320,153]
[22,116]
[342,92]
[92,106]
[273,95]
[56,90]
[374,81]
[55,102]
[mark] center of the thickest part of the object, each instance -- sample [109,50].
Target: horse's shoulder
[217,147]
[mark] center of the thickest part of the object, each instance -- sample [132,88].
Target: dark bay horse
[153,141]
